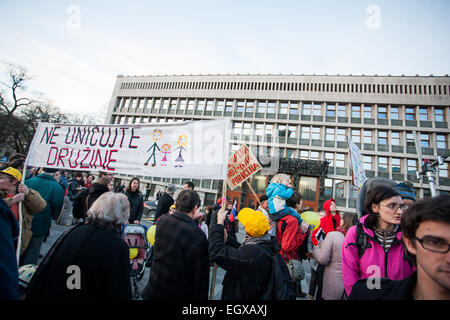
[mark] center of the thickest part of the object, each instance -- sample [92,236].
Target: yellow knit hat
[13,172]
[255,223]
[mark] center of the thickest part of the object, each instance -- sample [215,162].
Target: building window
[382,164]
[367,160]
[304,154]
[259,129]
[410,113]
[382,112]
[237,128]
[410,141]
[342,111]
[411,166]
[229,106]
[317,110]
[340,188]
[356,136]
[425,140]
[367,136]
[290,153]
[306,109]
[340,160]
[284,107]
[157,104]
[314,155]
[209,105]
[394,113]
[367,111]
[395,165]
[293,109]
[249,107]
[329,134]
[423,114]
[220,105]
[441,141]
[331,110]
[443,170]
[292,131]
[439,115]
[247,129]
[261,107]
[269,129]
[315,133]
[328,190]
[281,131]
[356,111]
[271,107]
[395,138]
[191,105]
[382,137]
[341,135]
[305,133]
[201,105]
[330,157]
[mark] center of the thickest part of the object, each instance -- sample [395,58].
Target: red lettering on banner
[50,153]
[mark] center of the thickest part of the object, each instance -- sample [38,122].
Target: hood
[98,188]
[270,189]
[327,204]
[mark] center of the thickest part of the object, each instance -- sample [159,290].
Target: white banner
[170,150]
[357,164]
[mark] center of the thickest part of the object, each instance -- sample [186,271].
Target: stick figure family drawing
[166,149]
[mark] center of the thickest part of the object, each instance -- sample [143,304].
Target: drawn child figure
[278,191]
[182,142]
[156,136]
[165,149]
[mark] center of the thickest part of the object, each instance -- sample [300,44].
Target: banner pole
[253,192]
[19,240]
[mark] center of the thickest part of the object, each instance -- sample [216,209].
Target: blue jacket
[53,193]
[278,194]
[9,231]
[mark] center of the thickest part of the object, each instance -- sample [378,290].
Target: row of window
[394,112]
[340,160]
[290,86]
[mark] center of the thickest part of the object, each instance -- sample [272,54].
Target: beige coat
[329,255]
[32,204]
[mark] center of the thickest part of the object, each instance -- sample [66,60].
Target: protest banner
[356,163]
[241,165]
[171,150]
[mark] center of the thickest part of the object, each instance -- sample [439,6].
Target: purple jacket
[375,262]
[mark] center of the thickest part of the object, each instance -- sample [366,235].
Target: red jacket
[291,238]
[326,223]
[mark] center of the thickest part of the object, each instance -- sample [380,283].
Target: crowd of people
[394,247]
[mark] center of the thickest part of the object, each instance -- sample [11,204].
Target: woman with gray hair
[90,260]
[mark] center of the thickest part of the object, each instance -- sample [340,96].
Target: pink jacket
[375,262]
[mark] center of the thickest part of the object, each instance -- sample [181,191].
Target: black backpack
[362,242]
[280,285]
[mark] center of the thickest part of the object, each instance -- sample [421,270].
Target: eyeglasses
[434,244]
[394,207]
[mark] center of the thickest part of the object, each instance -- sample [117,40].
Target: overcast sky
[75,49]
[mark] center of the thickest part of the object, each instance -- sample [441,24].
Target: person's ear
[375,208]
[409,246]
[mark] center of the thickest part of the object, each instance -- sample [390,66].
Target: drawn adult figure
[182,142]
[156,136]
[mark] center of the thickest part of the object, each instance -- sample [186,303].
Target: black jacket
[136,205]
[103,261]
[163,206]
[389,289]
[247,267]
[94,192]
[9,232]
[180,267]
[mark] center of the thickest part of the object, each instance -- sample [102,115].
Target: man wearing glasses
[426,234]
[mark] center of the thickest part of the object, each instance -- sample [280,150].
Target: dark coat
[136,205]
[389,289]
[94,192]
[103,261]
[248,268]
[163,205]
[9,232]
[53,194]
[180,267]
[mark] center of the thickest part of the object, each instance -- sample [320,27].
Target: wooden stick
[257,199]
